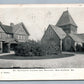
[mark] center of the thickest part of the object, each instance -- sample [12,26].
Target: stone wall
[51,41]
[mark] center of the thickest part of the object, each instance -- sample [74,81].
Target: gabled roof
[25,28]
[65,19]
[12,29]
[76,38]
[6,28]
[19,25]
[61,34]
[81,36]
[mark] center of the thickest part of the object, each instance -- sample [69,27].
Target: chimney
[0,23]
[12,24]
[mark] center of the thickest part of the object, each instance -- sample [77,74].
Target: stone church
[64,33]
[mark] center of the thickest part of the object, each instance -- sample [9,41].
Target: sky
[39,1]
[37,17]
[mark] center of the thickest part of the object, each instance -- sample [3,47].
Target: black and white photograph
[41,37]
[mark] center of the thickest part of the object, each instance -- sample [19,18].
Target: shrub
[78,48]
[33,48]
[30,48]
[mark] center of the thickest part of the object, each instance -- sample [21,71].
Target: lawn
[64,60]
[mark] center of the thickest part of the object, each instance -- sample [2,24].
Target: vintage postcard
[42,42]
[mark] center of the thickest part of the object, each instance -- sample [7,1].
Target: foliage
[33,48]
[30,48]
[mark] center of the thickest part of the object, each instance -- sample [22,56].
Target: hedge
[30,48]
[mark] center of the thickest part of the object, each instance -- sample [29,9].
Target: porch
[7,46]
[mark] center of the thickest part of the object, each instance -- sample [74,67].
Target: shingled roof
[61,34]
[65,19]
[76,38]
[10,30]
[81,36]
[6,28]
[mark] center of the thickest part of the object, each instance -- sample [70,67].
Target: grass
[14,57]
[65,60]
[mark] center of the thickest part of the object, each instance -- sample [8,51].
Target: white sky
[37,19]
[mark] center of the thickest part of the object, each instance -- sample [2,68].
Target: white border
[42,74]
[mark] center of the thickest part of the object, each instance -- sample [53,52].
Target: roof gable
[1,29]
[19,26]
[66,19]
[13,28]
[6,28]
[61,34]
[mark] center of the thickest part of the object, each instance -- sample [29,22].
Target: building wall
[73,29]
[1,47]
[69,29]
[68,44]
[51,39]
[3,36]
[66,28]
[50,35]
[21,35]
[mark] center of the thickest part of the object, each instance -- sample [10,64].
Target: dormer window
[21,37]
[18,36]
[9,36]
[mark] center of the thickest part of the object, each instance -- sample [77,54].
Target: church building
[67,29]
